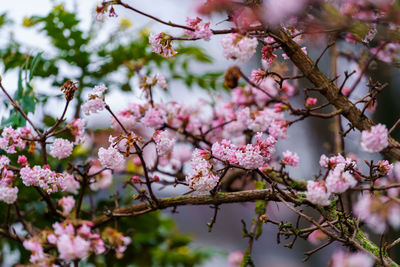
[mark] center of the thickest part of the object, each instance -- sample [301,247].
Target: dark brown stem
[19,109]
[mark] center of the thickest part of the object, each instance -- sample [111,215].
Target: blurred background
[309,138]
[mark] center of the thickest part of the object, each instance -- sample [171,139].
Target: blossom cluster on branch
[204,148]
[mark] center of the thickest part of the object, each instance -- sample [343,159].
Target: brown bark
[330,91]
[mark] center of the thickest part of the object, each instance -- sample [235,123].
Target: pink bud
[135,179]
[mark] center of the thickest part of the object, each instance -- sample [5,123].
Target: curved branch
[218,198]
[330,91]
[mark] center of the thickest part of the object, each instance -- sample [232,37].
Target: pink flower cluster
[8,194]
[37,254]
[316,237]
[384,167]
[4,162]
[338,179]
[70,185]
[11,139]
[376,210]
[95,101]
[164,143]
[375,139]
[77,128]
[75,243]
[201,29]
[45,178]
[161,44]
[317,193]
[290,158]
[67,204]
[110,157]
[202,180]
[357,259]
[248,156]
[267,56]
[158,79]
[102,180]
[310,102]
[61,148]
[153,118]
[239,47]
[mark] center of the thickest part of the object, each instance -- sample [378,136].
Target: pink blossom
[317,193]
[339,179]
[384,168]
[266,146]
[22,160]
[332,162]
[70,185]
[290,158]
[71,248]
[10,140]
[268,56]
[225,151]
[77,128]
[153,118]
[61,148]
[4,161]
[164,143]
[102,180]
[280,107]
[278,129]
[357,259]
[161,44]
[275,12]
[42,177]
[8,194]
[35,247]
[93,105]
[203,179]
[67,204]
[316,237]
[239,47]
[376,211]
[201,29]
[375,139]
[100,88]
[310,102]
[235,258]
[249,157]
[161,81]
[135,179]
[95,101]
[110,157]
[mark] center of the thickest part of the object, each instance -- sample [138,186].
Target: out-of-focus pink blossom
[357,259]
[164,143]
[317,193]
[11,139]
[201,29]
[290,158]
[310,102]
[316,237]
[161,44]
[61,148]
[67,204]
[110,157]
[235,258]
[239,47]
[8,194]
[375,139]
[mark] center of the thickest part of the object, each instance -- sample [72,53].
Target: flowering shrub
[204,148]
